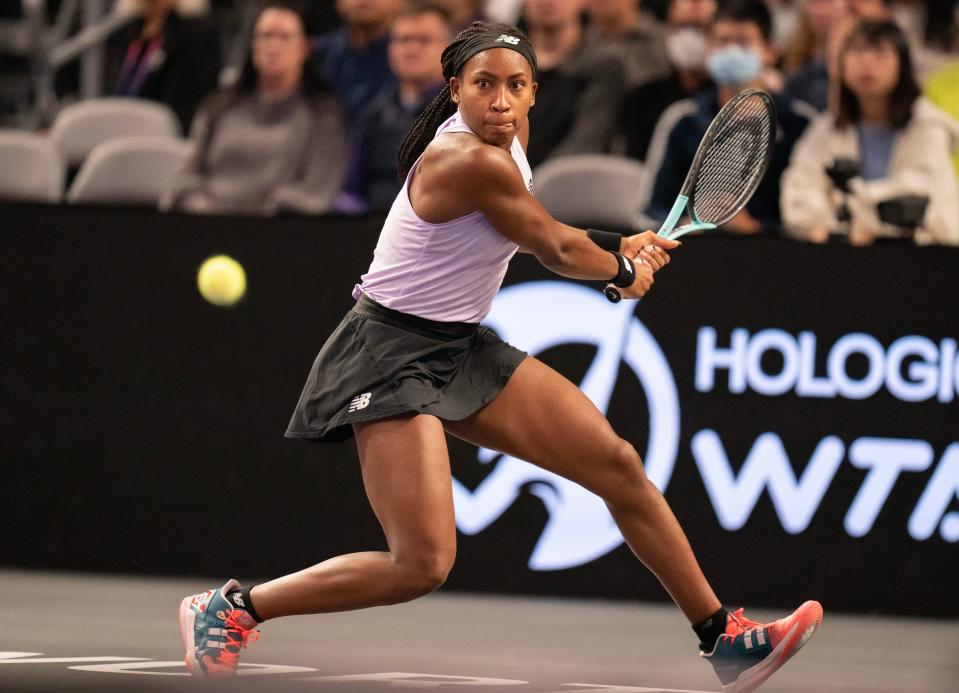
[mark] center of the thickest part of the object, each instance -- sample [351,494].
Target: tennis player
[410,362]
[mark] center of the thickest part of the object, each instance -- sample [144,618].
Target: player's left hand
[649,247]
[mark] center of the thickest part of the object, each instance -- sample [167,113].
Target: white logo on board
[536,316]
[540,315]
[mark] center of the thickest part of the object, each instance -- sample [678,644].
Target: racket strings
[734,162]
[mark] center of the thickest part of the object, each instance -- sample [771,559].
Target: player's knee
[626,471]
[425,573]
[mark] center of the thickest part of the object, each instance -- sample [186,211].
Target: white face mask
[734,65]
[687,48]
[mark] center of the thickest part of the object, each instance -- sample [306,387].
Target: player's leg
[406,473]
[543,418]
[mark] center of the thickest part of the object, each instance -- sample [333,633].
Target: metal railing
[51,45]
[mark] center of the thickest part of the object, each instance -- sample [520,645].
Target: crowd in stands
[312,120]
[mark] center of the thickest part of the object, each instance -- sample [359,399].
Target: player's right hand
[643,283]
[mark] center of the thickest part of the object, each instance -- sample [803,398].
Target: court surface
[106,633]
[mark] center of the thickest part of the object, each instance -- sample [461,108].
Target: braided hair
[442,106]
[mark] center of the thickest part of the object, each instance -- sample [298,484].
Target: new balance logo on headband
[512,40]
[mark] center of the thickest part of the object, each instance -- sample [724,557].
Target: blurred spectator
[419,35]
[685,36]
[804,60]
[353,59]
[170,53]
[462,13]
[506,11]
[275,141]
[580,83]
[848,17]
[785,15]
[322,17]
[739,50]
[637,39]
[931,29]
[901,142]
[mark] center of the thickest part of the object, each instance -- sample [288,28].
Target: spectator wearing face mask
[354,59]
[900,142]
[685,41]
[636,38]
[417,39]
[580,83]
[739,51]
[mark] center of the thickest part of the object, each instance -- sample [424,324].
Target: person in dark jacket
[740,50]
[580,83]
[417,39]
[353,59]
[170,53]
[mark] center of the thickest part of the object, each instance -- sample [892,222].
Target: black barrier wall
[796,403]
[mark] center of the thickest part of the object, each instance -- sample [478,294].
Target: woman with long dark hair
[275,140]
[410,362]
[899,140]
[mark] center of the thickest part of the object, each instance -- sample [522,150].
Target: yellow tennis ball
[221,280]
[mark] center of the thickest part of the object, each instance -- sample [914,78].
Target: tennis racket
[729,163]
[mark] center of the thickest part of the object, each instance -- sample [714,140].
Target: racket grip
[612,294]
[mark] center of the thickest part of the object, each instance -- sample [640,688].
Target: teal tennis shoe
[748,652]
[214,631]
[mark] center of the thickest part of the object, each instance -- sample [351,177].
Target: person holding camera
[894,140]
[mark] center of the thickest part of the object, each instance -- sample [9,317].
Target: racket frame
[685,200]
[668,230]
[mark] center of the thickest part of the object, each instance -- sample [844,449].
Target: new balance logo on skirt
[360,402]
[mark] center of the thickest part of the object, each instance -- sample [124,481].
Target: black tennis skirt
[380,363]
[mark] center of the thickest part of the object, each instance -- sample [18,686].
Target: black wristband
[627,273]
[607,240]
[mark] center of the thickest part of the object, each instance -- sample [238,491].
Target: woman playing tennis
[410,363]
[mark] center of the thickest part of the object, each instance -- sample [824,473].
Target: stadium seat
[589,189]
[131,170]
[30,167]
[82,126]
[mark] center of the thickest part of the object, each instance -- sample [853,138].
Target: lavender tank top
[446,272]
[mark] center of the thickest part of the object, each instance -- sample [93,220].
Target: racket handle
[612,294]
